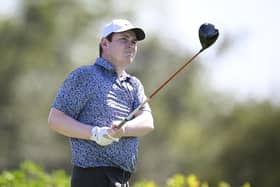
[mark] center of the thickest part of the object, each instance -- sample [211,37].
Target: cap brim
[140,34]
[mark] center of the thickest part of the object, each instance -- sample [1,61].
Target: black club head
[208,34]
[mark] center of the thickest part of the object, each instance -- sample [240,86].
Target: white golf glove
[100,136]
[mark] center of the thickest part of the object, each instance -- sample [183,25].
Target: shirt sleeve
[140,96]
[73,94]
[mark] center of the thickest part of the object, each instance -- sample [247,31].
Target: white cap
[121,25]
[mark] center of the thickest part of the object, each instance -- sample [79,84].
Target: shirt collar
[108,66]
[105,64]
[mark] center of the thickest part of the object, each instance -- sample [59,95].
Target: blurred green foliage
[31,174]
[197,130]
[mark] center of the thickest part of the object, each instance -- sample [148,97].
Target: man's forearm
[65,125]
[140,125]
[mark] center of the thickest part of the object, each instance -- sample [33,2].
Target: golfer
[92,101]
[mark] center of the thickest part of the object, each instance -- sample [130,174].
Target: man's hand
[100,136]
[114,132]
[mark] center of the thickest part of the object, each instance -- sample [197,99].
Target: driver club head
[208,34]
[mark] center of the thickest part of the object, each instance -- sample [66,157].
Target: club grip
[122,123]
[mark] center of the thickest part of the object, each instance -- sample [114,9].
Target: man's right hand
[99,135]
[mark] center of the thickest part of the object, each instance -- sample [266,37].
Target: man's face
[122,49]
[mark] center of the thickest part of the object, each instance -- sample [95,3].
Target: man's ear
[104,43]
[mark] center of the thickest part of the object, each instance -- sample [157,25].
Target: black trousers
[99,177]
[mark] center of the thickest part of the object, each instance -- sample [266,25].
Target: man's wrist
[93,134]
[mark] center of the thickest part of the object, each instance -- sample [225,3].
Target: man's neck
[117,66]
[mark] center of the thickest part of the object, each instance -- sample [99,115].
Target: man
[93,100]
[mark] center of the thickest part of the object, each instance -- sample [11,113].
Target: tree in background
[38,49]
[197,130]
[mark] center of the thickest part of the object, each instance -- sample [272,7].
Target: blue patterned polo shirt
[94,95]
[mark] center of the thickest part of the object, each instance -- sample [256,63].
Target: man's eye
[127,40]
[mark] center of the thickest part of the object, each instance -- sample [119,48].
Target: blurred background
[219,119]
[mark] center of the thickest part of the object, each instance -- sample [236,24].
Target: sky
[248,68]
[7,7]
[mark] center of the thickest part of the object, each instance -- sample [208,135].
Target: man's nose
[131,43]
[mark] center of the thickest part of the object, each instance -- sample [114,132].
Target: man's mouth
[130,54]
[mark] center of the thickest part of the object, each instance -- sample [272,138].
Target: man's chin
[130,60]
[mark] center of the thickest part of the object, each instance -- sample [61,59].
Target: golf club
[208,34]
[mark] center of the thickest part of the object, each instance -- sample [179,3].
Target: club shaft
[174,74]
[132,114]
